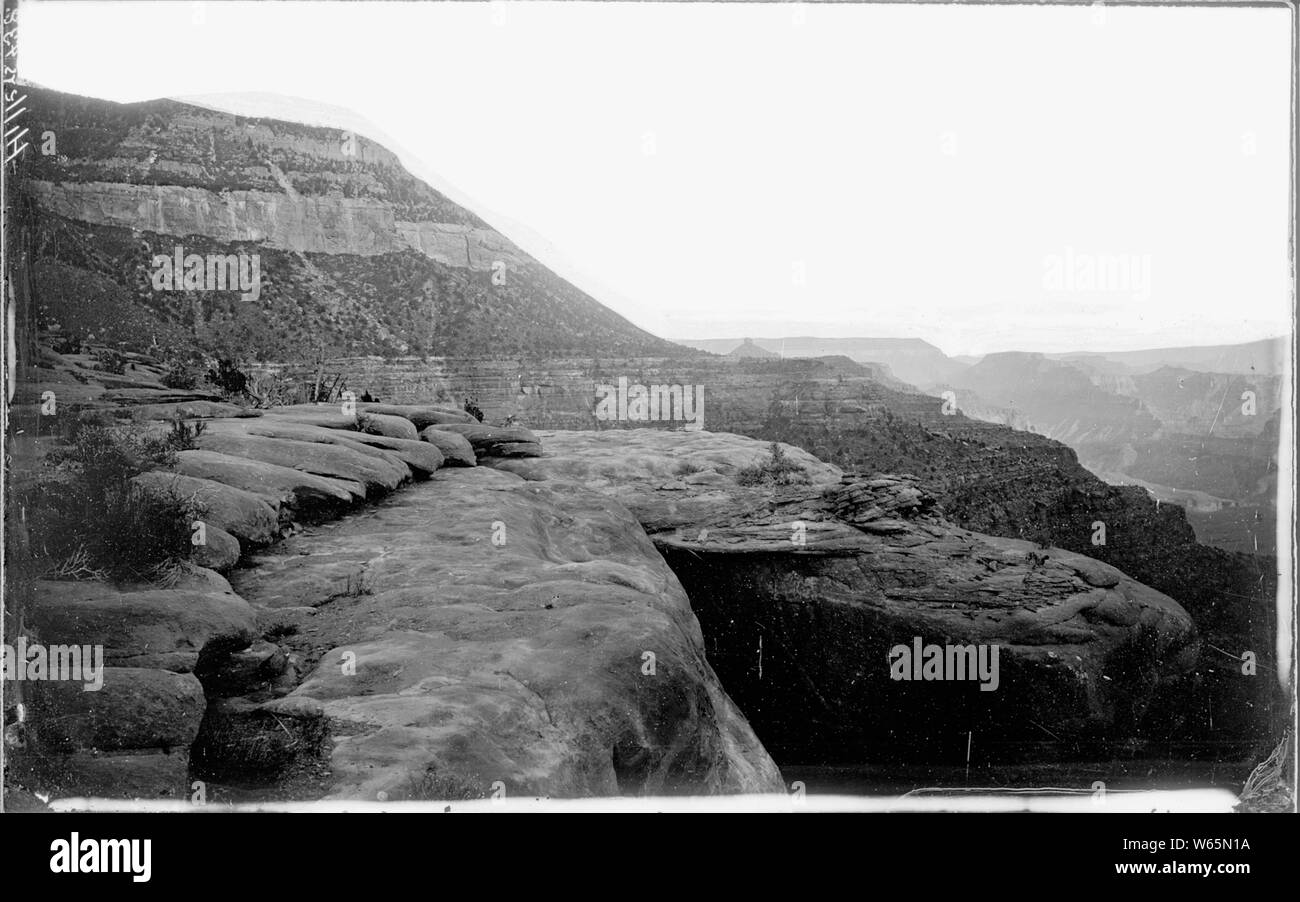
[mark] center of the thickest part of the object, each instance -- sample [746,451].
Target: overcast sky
[942,172]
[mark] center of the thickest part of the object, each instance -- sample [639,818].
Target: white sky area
[685,163]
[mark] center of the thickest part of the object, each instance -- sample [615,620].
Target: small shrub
[73,419]
[110,361]
[66,344]
[179,376]
[275,391]
[776,470]
[89,520]
[182,436]
[686,468]
[472,408]
[228,377]
[1041,538]
[354,585]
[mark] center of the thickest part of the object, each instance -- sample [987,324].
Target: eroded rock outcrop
[471,630]
[331,225]
[420,457]
[127,732]
[480,628]
[421,415]
[144,626]
[377,474]
[456,449]
[497,441]
[304,494]
[803,590]
[247,516]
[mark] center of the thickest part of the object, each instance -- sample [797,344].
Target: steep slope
[1204,440]
[1059,400]
[356,255]
[1190,402]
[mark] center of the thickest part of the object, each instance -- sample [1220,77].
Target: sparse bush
[1041,538]
[89,520]
[777,470]
[73,419]
[228,377]
[183,436]
[472,408]
[354,585]
[110,361]
[686,468]
[66,344]
[179,376]
[276,391]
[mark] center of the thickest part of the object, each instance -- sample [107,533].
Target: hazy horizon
[1130,193]
[759,340]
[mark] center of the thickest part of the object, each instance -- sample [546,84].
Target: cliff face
[317,224]
[357,255]
[1206,441]
[1141,424]
[460,245]
[804,592]
[1060,400]
[330,225]
[168,143]
[1190,402]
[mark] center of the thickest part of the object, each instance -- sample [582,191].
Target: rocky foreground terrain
[467,631]
[415,605]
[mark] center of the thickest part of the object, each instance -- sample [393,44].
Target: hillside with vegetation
[357,256]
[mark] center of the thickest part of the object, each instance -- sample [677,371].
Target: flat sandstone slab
[561,659]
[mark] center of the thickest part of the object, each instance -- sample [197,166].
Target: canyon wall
[317,224]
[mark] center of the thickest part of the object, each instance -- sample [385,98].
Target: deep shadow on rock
[803,590]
